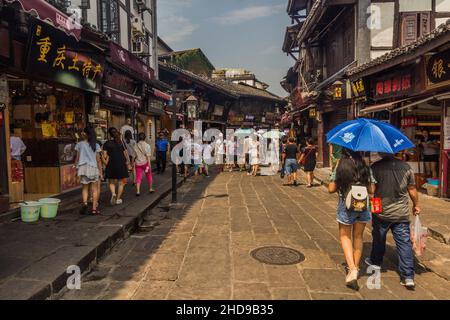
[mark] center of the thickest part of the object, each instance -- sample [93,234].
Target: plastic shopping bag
[419,237]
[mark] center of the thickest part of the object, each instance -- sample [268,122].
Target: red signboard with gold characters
[393,86]
[55,56]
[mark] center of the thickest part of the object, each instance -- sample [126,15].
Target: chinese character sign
[359,90]
[393,86]
[438,69]
[55,56]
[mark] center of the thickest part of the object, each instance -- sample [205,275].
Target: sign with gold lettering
[438,70]
[359,91]
[338,93]
[55,56]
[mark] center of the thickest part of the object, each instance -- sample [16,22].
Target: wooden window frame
[418,25]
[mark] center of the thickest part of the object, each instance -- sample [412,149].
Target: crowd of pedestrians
[119,161]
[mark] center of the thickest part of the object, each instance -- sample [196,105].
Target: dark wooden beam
[442,14]
[397,26]
[381,48]
[294,57]
[330,3]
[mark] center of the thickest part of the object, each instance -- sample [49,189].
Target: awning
[46,12]
[415,103]
[162,95]
[129,61]
[380,107]
[121,97]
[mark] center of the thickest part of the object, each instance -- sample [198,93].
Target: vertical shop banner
[59,58]
[359,91]
[447,130]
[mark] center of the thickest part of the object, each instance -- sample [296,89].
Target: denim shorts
[290,166]
[349,218]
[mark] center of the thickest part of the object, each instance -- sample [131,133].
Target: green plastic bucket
[49,207]
[29,211]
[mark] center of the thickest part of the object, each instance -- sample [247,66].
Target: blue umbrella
[369,135]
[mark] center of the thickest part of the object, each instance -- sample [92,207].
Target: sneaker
[119,201]
[369,262]
[352,280]
[408,283]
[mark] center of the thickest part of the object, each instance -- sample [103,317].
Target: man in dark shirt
[162,146]
[395,181]
[290,160]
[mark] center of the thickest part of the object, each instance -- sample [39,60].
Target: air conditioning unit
[139,47]
[137,25]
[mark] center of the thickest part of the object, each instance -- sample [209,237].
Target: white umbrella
[243,132]
[273,134]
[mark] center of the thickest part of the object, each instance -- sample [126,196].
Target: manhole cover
[277,255]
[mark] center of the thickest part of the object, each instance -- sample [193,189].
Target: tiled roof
[229,88]
[244,90]
[182,52]
[443,29]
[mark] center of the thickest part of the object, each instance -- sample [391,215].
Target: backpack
[357,199]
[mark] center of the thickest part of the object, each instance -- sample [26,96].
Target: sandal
[152,191]
[95,212]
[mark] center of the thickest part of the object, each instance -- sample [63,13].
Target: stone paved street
[203,251]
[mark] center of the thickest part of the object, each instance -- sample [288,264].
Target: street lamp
[192,107]
[176,103]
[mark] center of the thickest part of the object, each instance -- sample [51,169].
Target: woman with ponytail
[89,165]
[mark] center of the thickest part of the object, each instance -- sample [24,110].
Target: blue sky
[233,33]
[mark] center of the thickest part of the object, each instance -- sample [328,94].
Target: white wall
[440,21]
[415,5]
[124,34]
[377,53]
[383,35]
[442,5]
[92,17]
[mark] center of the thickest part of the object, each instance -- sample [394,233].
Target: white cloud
[247,14]
[175,29]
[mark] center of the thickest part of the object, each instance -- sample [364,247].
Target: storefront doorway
[417,122]
[48,119]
